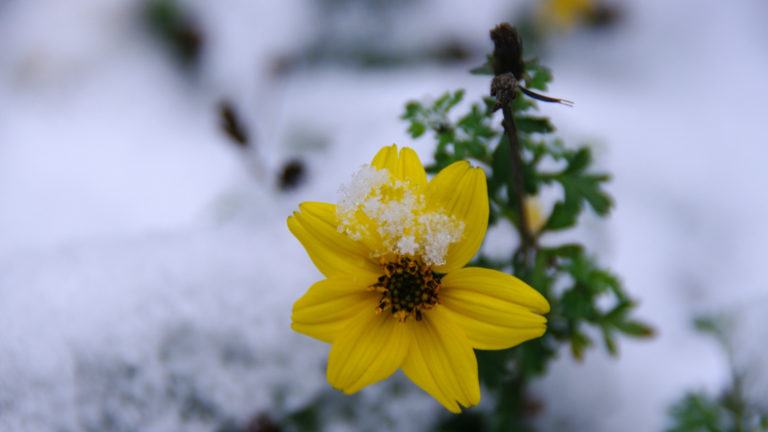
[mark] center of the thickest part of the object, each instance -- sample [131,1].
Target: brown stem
[517,179]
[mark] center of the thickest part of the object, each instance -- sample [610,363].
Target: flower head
[396,295]
[564,14]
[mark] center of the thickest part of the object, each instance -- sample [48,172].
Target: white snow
[146,272]
[374,203]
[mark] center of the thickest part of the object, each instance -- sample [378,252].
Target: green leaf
[699,413]
[589,187]
[492,366]
[634,328]
[476,150]
[540,76]
[608,340]
[577,304]
[577,188]
[485,69]
[501,167]
[448,101]
[579,342]
[716,325]
[522,104]
[619,311]
[412,108]
[579,161]
[417,129]
[527,124]
[567,250]
[563,215]
[602,280]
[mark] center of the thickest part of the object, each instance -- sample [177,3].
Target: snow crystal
[364,180]
[440,232]
[407,245]
[375,205]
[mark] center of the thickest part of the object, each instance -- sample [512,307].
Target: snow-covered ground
[146,273]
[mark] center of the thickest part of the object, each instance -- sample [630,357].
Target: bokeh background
[146,272]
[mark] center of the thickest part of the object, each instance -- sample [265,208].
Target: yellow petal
[330,304]
[461,190]
[495,310]
[406,166]
[369,349]
[387,159]
[332,252]
[441,361]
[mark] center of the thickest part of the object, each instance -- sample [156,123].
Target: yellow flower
[395,293]
[564,14]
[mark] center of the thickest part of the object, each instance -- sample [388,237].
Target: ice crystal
[392,217]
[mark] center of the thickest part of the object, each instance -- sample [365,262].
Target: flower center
[407,288]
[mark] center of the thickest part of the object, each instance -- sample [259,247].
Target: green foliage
[538,76]
[729,412]
[464,138]
[573,282]
[697,412]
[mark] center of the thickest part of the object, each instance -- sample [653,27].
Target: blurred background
[150,152]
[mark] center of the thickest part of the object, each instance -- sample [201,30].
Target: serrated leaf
[578,188]
[527,124]
[590,189]
[579,160]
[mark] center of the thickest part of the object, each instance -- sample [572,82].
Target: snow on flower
[396,293]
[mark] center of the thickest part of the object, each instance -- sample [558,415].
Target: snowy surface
[146,272]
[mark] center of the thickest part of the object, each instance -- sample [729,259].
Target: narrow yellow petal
[329,305]
[387,159]
[332,252]
[369,349]
[495,310]
[411,168]
[405,166]
[462,191]
[441,361]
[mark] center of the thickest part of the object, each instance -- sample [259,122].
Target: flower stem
[508,70]
[517,180]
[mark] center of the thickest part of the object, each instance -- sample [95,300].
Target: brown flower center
[407,288]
